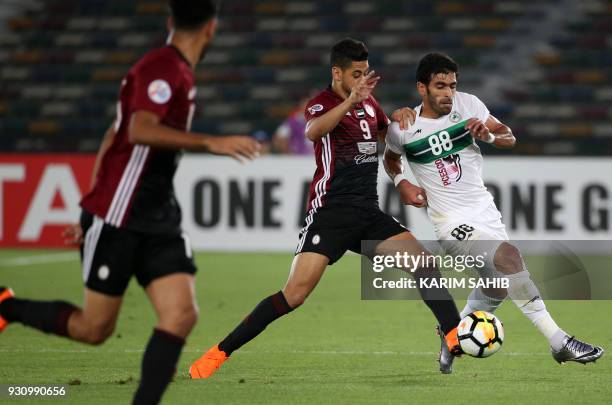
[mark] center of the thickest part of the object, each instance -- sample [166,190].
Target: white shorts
[473,237]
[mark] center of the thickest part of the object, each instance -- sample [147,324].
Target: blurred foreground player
[344,122]
[131,219]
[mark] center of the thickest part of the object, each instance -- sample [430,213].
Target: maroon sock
[267,311]
[158,366]
[439,300]
[47,316]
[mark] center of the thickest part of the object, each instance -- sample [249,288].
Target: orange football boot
[5,294]
[452,342]
[208,364]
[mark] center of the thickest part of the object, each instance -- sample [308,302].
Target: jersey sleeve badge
[159,91]
[315,109]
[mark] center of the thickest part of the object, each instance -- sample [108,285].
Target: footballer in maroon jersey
[134,186]
[344,122]
[131,219]
[346,157]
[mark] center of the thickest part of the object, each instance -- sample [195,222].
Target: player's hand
[73,234]
[239,147]
[405,116]
[363,87]
[411,194]
[478,129]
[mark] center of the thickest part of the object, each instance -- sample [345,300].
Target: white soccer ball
[480,334]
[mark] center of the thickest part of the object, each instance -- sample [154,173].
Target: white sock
[526,296]
[479,301]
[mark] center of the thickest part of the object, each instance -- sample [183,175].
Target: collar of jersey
[420,117]
[180,54]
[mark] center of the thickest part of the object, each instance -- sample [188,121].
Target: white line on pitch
[377,353]
[313,352]
[40,259]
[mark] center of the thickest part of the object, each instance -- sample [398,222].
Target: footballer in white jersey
[447,163]
[441,149]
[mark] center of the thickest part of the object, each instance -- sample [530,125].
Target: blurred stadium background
[541,66]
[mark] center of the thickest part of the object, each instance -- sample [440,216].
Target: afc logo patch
[159,91]
[315,109]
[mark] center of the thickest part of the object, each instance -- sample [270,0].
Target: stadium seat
[269,54]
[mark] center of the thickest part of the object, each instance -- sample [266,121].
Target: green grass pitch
[335,349]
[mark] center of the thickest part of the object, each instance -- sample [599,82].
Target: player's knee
[99,332]
[180,320]
[190,317]
[508,259]
[496,293]
[187,318]
[295,298]
[296,293]
[427,270]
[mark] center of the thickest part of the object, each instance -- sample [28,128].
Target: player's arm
[146,129]
[492,131]
[410,194]
[404,116]
[318,127]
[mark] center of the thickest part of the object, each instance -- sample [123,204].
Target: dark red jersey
[134,187]
[347,157]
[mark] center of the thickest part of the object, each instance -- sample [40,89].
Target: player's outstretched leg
[439,300]
[441,303]
[93,324]
[173,298]
[525,294]
[306,271]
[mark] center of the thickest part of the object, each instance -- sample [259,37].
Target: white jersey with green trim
[446,161]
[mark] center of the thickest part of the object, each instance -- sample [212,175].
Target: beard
[437,107]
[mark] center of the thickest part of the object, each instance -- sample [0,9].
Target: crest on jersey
[454,117]
[315,109]
[360,113]
[370,110]
[159,91]
[369,148]
[449,169]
